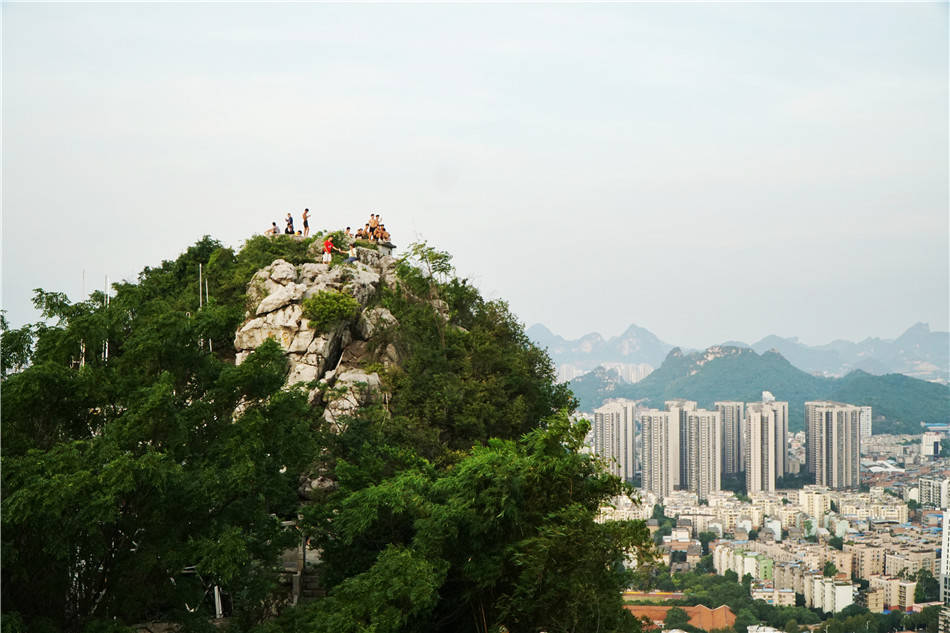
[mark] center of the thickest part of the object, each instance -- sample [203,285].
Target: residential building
[944,576]
[733,451]
[614,436]
[682,449]
[930,444]
[828,594]
[780,410]
[661,455]
[834,449]
[934,492]
[760,463]
[898,592]
[864,417]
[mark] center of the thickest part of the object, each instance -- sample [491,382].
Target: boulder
[283,272]
[373,321]
[281,297]
[353,389]
[302,372]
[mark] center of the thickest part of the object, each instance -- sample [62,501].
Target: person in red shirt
[328,248]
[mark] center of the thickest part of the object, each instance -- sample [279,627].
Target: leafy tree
[829,570]
[705,538]
[329,308]
[16,346]
[836,542]
[792,626]
[676,618]
[928,588]
[744,619]
[505,537]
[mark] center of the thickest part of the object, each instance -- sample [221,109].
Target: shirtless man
[306,225]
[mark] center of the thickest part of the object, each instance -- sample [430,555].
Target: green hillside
[733,373]
[136,482]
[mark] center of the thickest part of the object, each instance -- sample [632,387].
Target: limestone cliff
[331,362]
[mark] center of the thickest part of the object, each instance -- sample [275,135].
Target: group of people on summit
[374,230]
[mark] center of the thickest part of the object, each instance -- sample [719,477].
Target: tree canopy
[141,467]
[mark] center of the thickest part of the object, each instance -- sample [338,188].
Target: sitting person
[351,255]
[273,230]
[347,232]
[359,233]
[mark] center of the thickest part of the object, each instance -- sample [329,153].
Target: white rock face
[374,320]
[332,364]
[277,293]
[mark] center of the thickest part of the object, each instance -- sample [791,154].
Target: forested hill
[736,373]
[380,408]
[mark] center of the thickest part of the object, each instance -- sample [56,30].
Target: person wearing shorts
[328,250]
[306,224]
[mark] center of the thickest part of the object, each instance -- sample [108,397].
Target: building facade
[681,449]
[834,444]
[615,437]
[733,451]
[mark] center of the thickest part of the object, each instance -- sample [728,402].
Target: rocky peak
[331,362]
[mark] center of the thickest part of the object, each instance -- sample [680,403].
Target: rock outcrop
[332,363]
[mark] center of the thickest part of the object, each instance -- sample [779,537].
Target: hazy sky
[707,171]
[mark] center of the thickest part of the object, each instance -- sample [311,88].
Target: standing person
[328,248]
[306,224]
[290,224]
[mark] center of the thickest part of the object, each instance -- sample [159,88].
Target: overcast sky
[706,171]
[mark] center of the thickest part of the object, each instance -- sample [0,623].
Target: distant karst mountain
[918,352]
[635,345]
[739,373]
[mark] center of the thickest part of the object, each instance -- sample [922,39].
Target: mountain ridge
[918,352]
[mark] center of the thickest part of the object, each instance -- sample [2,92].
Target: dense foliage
[329,308]
[141,468]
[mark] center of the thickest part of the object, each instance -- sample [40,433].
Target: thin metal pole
[82,342]
[200,302]
[106,356]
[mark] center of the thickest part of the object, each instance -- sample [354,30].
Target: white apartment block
[760,448]
[930,444]
[898,593]
[815,501]
[934,492]
[733,451]
[944,576]
[614,436]
[864,417]
[704,452]
[834,444]
[781,432]
[681,449]
[661,441]
[828,594]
